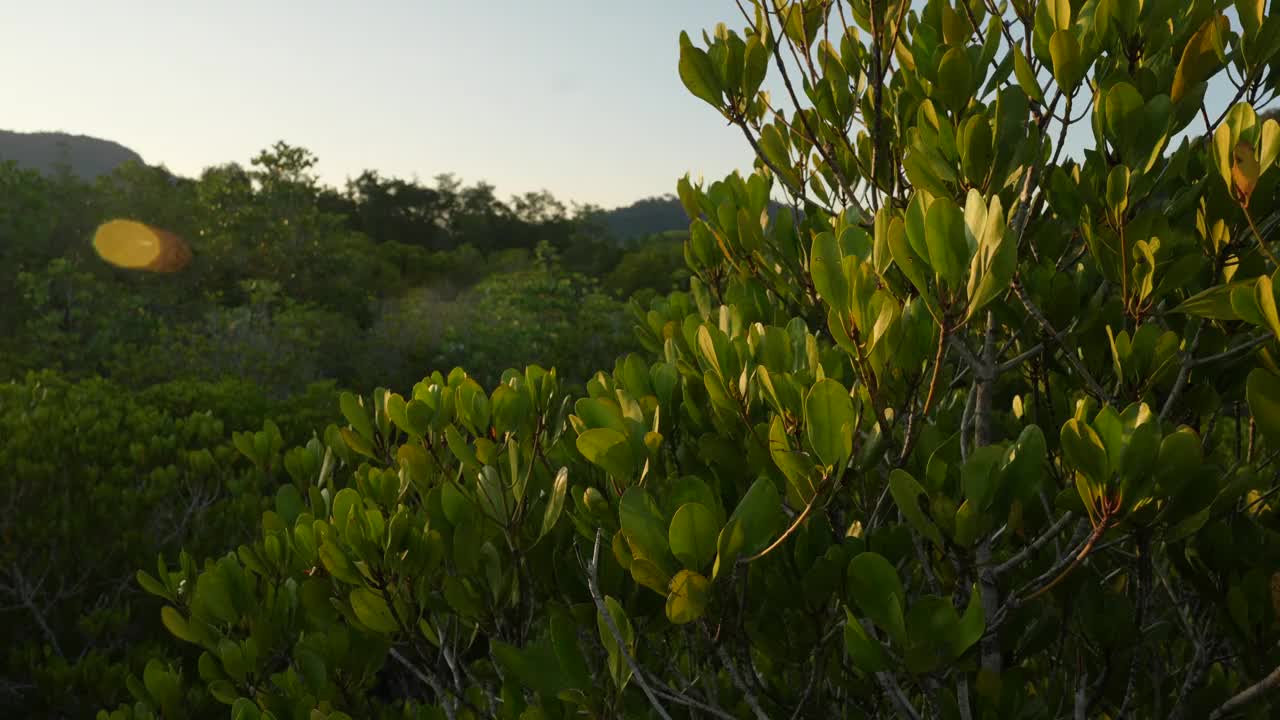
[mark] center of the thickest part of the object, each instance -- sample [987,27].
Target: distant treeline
[294,282]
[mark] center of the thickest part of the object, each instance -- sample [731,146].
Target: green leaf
[1084,451]
[1024,463]
[244,709]
[758,515]
[866,653]
[1060,13]
[1068,66]
[1269,145]
[796,465]
[971,627]
[876,588]
[619,669]
[644,526]
[1262,391]
[1264,295]
[355,414]
[1123,105]
[692,535]
[690,593]
[993,265]
[826,267]
[1201,58]
[339,566]
[647,573]
[372,610]
[176,624]
[906,258]
[608,449]
[756,63]
[536,667]
[944,233]
[555,502]
[912,500]
[1213,304]
[1118,190]
[955,80]
[699,73]
[510,409]
[345,502]
[1026,76]
[829,418]
[564,639]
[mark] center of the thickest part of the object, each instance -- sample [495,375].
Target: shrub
[980,426]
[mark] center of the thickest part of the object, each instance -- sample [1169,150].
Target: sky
[578,97]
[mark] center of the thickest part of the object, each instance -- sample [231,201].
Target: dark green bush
[979,426]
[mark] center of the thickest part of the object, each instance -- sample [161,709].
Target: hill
[650,216]
[87,157]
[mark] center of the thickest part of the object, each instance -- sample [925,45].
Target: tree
[978,427]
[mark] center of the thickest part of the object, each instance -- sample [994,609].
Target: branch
[1029,550]
[1184,373]
[1228,354]
[912,430]
[1072,360]
[1248,695]
[1018,360]
[593,583]
[747,693]
[428,679]
[891,686]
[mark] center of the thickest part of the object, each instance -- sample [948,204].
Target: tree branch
[734,675]
[1248,695]
[1094,388]
[593,583]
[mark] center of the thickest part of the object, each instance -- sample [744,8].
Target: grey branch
[593,583]
[1248,695]
[429,679]
[1036,544]
[1057,338]
[738,682]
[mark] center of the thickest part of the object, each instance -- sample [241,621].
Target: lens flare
[137,246]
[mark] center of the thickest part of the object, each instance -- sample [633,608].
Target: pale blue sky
[580,97]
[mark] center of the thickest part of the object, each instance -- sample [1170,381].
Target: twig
[677,697]
[1044,324]
[795,525]
[429,679]
[1082,698]
[804,120]
[734,675]
[1227,354]
[1248,695]
[1029,550]
[912,430]
[891,686]
[1184,373]
[593,583]
[1018,360]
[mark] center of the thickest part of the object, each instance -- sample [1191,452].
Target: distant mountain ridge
[90,157]
[654,216]
[649,216]
[87,157]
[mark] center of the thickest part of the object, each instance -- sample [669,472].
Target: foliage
[975,428]
[98,481]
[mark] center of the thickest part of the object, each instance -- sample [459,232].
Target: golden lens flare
[137,246]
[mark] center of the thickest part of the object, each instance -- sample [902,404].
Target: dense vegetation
[977,426]
[121,443]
